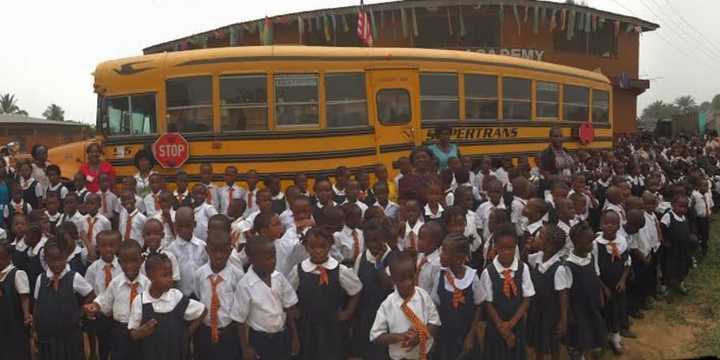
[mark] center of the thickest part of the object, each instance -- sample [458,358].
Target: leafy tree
[658,110]
[8,105]
[715,103]
[54,112]
[686,104]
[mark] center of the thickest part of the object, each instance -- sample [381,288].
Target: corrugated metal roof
[19,119]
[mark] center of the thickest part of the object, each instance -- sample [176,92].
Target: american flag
[363,28]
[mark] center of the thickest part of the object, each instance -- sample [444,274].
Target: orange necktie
[128,226]
[420,328]
[214,307]
[55,281]
[509,287]
[323,275]
[108,274]
[18,208]
[133,292]
[91,228]
[157,201]
[615,251]
[458,296]
[413,240]
[356,244]
[208,195]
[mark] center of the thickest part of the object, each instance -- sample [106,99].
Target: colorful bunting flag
[517,17]
[536,20]
[403,20]
[219,34]
[346,27]
[233,36]
[543,16]
[617,27]
[382,18]
[594,22]
[363,28]
[563,19]
[301,29]
[629,28]
[571,25]
[553,20]
[450,27]
[267,32]
[580,19]
[373,25]
[525,19]
[318,25]
[415,24]
[587,22]
[638,29]
[501,13]
[334,23]
[463,31]
[326,28]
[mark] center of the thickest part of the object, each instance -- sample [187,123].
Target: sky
[51,47]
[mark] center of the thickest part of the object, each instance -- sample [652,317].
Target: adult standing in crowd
[94,166]
[39,154]
[413,185]
[555,160]
[444,150]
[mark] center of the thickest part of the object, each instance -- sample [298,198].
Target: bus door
[396,111]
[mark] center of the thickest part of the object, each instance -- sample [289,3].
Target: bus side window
[393,106]
[345,96]
[600,106]
[130,115]
[189,104]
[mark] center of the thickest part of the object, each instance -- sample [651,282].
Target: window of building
[578,43]
[243,102]
[189,104]
[547,97]
[393,106]
[601,106]
[296,100]
[130,115]
[438,96]
[481,97]
[346,103]
[516,99]
[604,42]
[575,102]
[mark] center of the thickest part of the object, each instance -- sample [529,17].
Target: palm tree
[686,104]
[8,104]
[54,112]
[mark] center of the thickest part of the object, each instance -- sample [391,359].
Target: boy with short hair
[94,222]
[203,211]
[230,190]
[108,199]
[211,190]
[252,179]
[181,193]
[187,247]
[131,220]
[152,200]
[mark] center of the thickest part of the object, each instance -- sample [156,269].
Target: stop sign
[171,150]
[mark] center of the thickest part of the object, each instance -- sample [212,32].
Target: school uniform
[99,274]
[279,204]
[367,267]
[108,203]
[350,243]
[587,329]
[703,205]
[677,256]
[190,256]
[168,227]
[390,209]
[428,267]
[131,226]
[76,218]
[531,230]
[433,215]
[32,191]
[637,185]
[172,310]
[393,318]
[519,286]
[483,216]
[287,218]
[54,219]
[203,213]
[77,260]
[91,226]
[549,278]
[457,300]
[173,262]
[471,231]
[618,209]
[82,194]
[182,199]
[115,303]
[152,203]
[57,313]
[565,227]
[58,188]
[14,335]
[338,195]
[262,308]
[317,208]
[226,194]
[238,229]
[613,258]
[321,289]
[639,245]
[251,201]
[216,338]
[29,258]
[12,208]
[517,206]
[411,235]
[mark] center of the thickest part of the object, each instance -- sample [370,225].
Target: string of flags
[329,24]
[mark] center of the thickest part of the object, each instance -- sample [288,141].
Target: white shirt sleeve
[486,285]
[241,305]
[193,310]
[478,291]
[434,289]
[288,296]
[381,325]
[81,286]
[105,301]
[563,278]
[528,289]
[666,219]
[349,281]
[175,266]
[433,318]
[294,278]
[22,285]
[36,291]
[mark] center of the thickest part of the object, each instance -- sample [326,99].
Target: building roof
[409,4]
[20,119]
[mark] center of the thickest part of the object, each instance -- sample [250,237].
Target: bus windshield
[128,115]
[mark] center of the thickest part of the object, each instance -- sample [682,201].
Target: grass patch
[704,285]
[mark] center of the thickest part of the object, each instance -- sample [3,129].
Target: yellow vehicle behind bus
[288,109]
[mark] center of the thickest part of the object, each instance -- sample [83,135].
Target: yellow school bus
[288,109]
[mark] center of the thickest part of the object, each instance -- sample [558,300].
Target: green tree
[658,110]
[54,112]
[686,104]
[8,105]
[715,103]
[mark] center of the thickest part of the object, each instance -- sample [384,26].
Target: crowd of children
[493,259]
